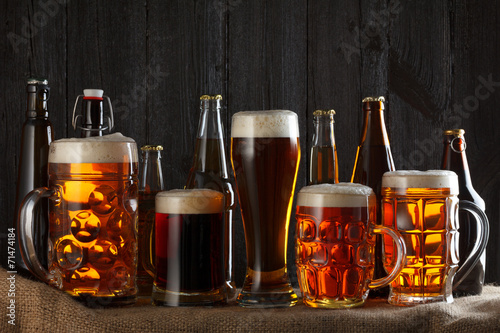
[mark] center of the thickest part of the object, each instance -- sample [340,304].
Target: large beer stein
[423,207]
[265,154]
[92,246]
[335,245]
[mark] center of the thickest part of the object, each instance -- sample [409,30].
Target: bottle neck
[38,95]
[92,123]
[151,176]
[323,131]
[374,130]
[455,159]
[210,151]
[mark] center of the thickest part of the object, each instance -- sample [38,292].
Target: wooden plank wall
[435,61]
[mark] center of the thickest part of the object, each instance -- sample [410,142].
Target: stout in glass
[189,248]
[265,154]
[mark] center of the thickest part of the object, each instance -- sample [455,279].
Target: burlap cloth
[40,308]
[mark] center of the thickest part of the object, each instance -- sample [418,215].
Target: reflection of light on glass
[78,191]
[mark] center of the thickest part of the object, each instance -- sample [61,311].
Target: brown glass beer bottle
[373,158]
[210,171]
[455,159]
[91,120]
[323,163]
[150,183]
[37,134]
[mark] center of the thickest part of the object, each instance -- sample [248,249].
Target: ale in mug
[92,219]
[265,154]
[189,246]
[423,207]
[335,243]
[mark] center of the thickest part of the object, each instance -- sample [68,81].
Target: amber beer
[189,248]
[335,241]
[265,154]
[92,219]
[422,206]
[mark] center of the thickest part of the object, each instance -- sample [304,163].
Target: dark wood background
[154,58]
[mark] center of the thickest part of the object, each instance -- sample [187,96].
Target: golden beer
[93,218]
[423,207]
[265,154]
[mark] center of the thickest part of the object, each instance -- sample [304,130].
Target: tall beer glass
[265,154]
[335,245]
[423,207]
[189,247]
[92,220]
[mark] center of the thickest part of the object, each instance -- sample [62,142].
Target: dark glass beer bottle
[373,158]
[91,120]
[210,171]
[323,163]
[150,183]
[454,159]
[37,134]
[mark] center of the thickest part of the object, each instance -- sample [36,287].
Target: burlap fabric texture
[40,308]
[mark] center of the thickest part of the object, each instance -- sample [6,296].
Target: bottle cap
[323,112]
[37,81]
[374,99]
[152,148]
[96,93]
[456,132]
[211,97]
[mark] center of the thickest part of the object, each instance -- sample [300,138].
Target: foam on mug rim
[265,124]
[336,195]
[421,179]
[189,201]
[111,148]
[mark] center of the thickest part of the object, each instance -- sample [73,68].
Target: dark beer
[265,153]
[189,248]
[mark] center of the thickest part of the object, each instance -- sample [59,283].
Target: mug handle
[483,228]
[26,236]
[148,235]
[400,258]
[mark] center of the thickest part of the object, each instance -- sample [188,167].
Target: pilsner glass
[335,245]
[423,207]
[189,247]
[92,220]
[265,154]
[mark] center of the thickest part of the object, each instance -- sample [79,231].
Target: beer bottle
[373,158]
[323,163]
[37,134]
[91,121]
[454,159]
[150,183]
[210,171]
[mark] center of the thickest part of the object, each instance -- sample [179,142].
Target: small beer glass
[423,207]
[335,242]
[189,247]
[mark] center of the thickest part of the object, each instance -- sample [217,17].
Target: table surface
[41,308]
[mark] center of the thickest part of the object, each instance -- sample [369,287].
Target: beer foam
[336,195]
[421,179]
[265,124]
[112,148]
[189,201]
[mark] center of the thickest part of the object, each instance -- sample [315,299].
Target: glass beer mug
[92,220]
[335,245]
[423,207]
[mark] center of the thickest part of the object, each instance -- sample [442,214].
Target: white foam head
[421,179]
[336,195]
[265,124]
[189,201]
[112,148]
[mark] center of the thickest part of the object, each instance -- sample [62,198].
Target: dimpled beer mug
[189,265]
[335,244]
[92,219]
[265,154]
[423,207]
